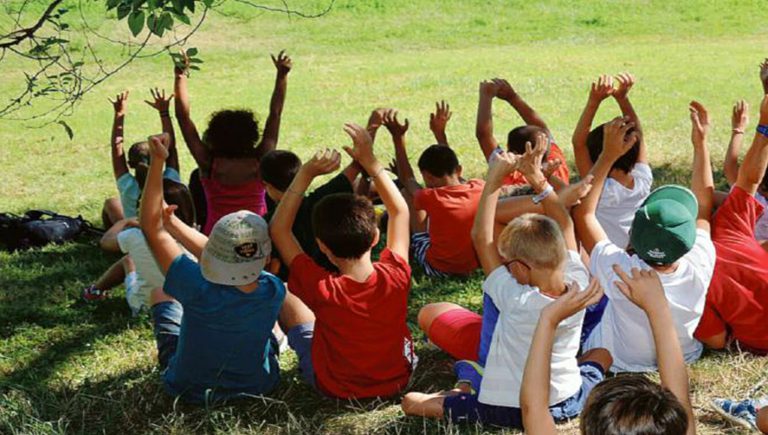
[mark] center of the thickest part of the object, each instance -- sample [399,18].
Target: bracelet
[763,129]
[165,114]
[544,194]
[376,174]
[737,131]
[289,190]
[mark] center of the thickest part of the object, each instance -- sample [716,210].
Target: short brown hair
[535,239]
[632,404]
[345,223]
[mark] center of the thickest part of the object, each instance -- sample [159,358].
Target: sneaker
[93,294]
[469,372]
[742,413]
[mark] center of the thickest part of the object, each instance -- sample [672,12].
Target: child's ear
[459,170]
[324,249]
[376,237]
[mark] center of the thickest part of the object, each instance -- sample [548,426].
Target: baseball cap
[664,228]
[237,249]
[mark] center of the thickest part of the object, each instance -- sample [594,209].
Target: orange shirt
[451,211]
[517,179]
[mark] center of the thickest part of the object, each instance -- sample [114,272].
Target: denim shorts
[300,340]
[166,320]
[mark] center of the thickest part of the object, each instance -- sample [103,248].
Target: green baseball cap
[237,249]
[664,228]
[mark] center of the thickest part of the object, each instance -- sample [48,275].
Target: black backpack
[38,228]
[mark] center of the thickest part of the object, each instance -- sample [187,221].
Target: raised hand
[282,62]
[572,194]
[323,162]
[740,117]
[699,122]
[160,103]
[550,167]
[572,301]
[396,129]
[764,73]
[362,145]
[120,103]
[616,141]
[182,67]
[625,81]
[601,89]
[489,88]
[643,287]
[439,119]
[377,118]
[158,146]
[530,161]
[501,165]
[764,111]
[393,167]
[504,90]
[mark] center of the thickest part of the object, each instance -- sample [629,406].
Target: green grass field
[65,367]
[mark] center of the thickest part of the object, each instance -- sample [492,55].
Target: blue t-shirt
[225,347]
[130,192]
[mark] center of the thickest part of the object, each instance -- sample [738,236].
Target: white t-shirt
[148,274]
[761,227]
[625,330]
[618,204]
[519,308]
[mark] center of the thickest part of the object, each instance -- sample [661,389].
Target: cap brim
[679,194]
[219,272]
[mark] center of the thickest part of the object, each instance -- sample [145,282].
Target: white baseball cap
[237,249]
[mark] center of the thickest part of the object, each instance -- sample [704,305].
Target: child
[442,212]
[738,295]
[622,404]
[222,345]
[228,155]
[535,262]
[630,178]
[669,234]
[360,345]
[278,169]
[130,185]
[519,136]
[142,273]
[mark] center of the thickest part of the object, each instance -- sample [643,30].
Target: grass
[71,368]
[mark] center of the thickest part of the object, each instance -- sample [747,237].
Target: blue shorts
[166,320]
[465,408]
[300,340]
[419,245]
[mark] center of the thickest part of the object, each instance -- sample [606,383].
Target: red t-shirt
[362,346]
[517,179]
[738,294]
[451,211]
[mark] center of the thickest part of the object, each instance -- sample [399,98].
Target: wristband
[763,129]
[165,114]
[544,194]
[737,131]
[372,177]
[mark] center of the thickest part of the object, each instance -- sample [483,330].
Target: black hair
[138,154]
[519,136]
[177,194]
[632,405]
[279,168]
[232,134]
[595,146]
[345,223]
[439,160]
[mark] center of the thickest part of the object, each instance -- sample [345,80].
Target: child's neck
[358,269]
[549,282]
[624,178]
[248,288]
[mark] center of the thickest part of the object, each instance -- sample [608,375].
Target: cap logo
[657,254]
[248,250]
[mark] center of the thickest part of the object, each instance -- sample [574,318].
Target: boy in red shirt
[348,329]
[737,300]
[442,213]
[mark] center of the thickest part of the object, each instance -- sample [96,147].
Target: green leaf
[194,67]
[68,129]
[195,60]
[190,4]
[136,22]
[183,18]
[208,3]
[123,10]
[111,4]
[192,51]
[154,25]
[178,6]
[166,21]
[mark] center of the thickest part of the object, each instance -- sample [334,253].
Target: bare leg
[430,312]
[115,275]
[111,212]
[294,312]
[718,341]
[158,296]
[762,420]
[426,405]
[418,217]
[598,355]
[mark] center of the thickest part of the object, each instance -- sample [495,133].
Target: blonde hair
[535,239]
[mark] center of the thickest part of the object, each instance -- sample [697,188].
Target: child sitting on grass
[213,319]
[229,152]
[442,212]
[670,234]
[130,185]
[534,263]
[630,178]
[518,136]
[623,404]
[348,329]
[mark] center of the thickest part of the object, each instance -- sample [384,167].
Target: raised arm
[108,241]
[753,167]
[702,184]
[645,290]
[534,391]
[162,105]
[439,120]
[403,165]
[621,94]
[739,121]
[398,227]
[484,126]
[163,246]
[196,147]
[119,164]
[281,225]
[283,64]
[599,91]
[192,240]
[508,94]
[764,75]
[616,142]
[483,228]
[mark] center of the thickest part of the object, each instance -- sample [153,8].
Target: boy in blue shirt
[213,320]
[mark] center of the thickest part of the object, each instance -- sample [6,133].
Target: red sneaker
[92,294]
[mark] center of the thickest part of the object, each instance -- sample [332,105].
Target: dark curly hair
[232,133]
